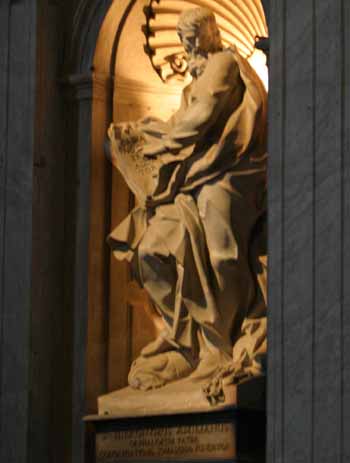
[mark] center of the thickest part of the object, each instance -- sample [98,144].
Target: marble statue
[200,185]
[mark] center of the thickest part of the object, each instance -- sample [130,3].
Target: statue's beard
[197,64]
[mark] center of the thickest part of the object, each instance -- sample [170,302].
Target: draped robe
[189,237]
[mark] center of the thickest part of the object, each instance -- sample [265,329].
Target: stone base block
[151,427]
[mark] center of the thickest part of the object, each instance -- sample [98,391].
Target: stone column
[309,239]
[87,215]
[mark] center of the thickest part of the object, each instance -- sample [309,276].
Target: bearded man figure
[201,191]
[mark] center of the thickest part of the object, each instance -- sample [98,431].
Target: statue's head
[200,36]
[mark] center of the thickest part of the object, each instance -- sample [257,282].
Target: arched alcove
[111,78]
[117,328]
[125,87]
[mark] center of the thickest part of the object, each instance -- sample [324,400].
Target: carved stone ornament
[195,239]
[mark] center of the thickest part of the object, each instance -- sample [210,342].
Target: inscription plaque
[230,435]
[192,442]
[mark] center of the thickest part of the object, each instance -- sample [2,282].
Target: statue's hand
[153,126]
[161,146]
[154,149]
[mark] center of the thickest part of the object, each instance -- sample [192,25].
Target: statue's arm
[208,98]
[155,129]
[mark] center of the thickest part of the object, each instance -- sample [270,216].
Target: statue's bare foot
[153,372]
[210,364]
[158,346]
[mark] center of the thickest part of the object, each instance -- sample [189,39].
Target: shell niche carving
[242,23]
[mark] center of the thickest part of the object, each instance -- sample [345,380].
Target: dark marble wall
[35,315]
[46,50]
[309,356]
[17,116]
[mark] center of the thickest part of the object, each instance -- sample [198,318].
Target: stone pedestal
[182,396]
[233,431]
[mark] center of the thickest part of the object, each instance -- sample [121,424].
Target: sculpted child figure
[200,181]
